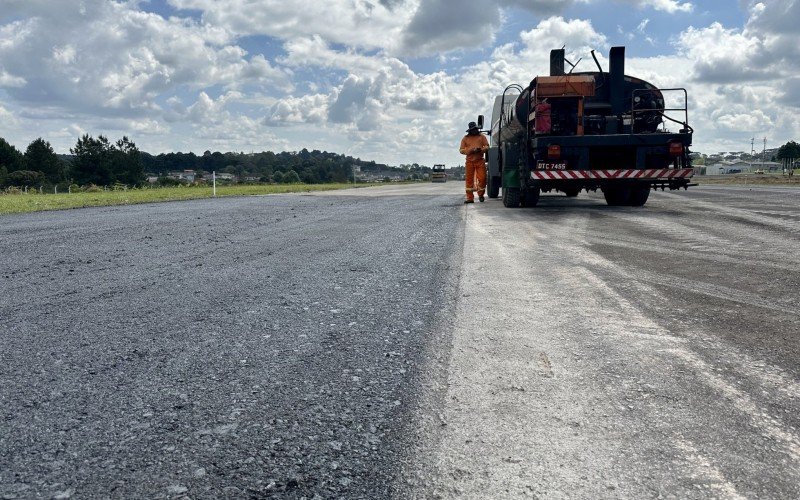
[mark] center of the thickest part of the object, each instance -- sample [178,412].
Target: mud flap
[511,178]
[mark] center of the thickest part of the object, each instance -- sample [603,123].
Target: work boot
[469,201]
[480,198]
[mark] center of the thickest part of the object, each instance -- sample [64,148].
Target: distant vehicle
[759,171]
[438,174]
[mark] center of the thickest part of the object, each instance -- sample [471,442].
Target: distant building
[185,175]
[741,167]
[728,167]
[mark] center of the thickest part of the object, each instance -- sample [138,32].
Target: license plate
[546,165]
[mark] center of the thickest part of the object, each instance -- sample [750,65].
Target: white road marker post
[214,182]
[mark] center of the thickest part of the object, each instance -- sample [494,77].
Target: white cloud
[790,92]
[542,7]
[148,127]
[8,80]
[314,51]
[723,55]
[304,109]
[444,25]
[356,23]
[6,118]
[753,122]
[115,60]
[670,6]
[239,133]
[399,27]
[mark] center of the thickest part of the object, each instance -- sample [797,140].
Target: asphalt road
[608,352]
[393,342]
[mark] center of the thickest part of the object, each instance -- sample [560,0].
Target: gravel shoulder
[248,347]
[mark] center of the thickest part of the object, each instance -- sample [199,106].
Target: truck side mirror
[480,121]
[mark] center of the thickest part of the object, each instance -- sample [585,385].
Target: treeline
[93,161]
[311,167]
[38,165]
[788,154]
[102,162]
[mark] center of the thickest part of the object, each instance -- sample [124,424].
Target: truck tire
[511,197]
[617,196]
[638,196]
[493,186]
[571,192]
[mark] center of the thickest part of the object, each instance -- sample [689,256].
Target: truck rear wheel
[617,196]
[511,197]
[639,196]
[493,186]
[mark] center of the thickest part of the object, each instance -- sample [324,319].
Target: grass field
[34,202]
[750,179]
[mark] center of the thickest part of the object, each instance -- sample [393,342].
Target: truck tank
[587,130]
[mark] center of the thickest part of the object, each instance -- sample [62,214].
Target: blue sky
[393,81]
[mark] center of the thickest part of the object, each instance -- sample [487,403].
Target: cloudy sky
[394,81]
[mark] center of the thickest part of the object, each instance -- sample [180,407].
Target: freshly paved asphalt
[626,352]
[395,343]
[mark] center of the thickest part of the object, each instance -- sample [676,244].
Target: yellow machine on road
[438,174]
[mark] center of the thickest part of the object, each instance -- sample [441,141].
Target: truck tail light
[554,151]
[675,149]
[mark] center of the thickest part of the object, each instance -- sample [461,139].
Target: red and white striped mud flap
[650,173]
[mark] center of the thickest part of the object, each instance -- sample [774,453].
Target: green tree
[309,176]
[290,177]
[97,161]
[788,154]
[93,159]
[790,150]
[10,157]
[40,157]
[127,163]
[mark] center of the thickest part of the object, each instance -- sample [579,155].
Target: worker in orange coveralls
[474,145]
